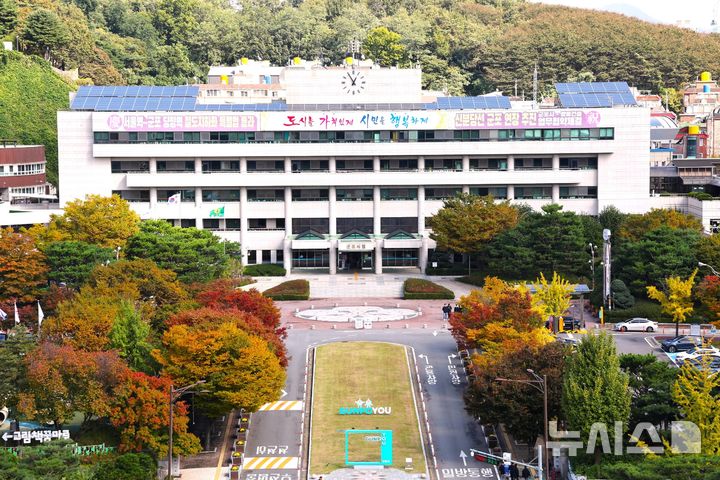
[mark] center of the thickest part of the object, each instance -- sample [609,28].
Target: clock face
[353,82]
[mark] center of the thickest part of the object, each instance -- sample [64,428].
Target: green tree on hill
[44,33]
[384,46]
[8,16]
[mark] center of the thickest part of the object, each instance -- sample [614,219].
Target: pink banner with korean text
[565,118]
[169,122]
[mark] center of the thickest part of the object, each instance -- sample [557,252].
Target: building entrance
[355,261]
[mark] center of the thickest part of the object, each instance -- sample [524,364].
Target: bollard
[336,304]
[424,325]
[334,326]
[407,326]
[312,327]
[419,309]
[297,310]
[443,327]
[312,307]
[365,304]
[397,305]
[290,326]
[387,325]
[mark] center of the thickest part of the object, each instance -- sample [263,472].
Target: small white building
[343,171]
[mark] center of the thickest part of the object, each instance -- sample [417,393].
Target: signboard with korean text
[174,122]
[27,436]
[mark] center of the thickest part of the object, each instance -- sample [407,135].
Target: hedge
[449,270]
[421,289]
[473,279]
[290,290]
[264,270]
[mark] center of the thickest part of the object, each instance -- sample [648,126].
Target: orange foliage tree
[708,292]
[139,410]
[23,271]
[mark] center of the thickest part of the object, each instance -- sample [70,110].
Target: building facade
[22,172]
[343,185]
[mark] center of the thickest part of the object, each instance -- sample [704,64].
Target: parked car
[682,343]
[697,352]
[637,325]
[713,364]
[569,324]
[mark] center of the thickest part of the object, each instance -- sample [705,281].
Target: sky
[695,14]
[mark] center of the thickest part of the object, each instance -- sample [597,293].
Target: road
[442,381]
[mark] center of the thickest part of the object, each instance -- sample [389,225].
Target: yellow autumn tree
[677,300]
[552,299]
[696,393]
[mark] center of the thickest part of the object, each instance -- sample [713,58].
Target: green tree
[677,300]
[651,382]
[636,226]
[657,254]
[547,241]
[103,221]
[12,357]
[44,33]
[128,466]
[672,98]
[195,255]
[696,392]
[50,461]
[611,218]
[130,337]
[71,262]
[708,251]
[8,16]
[594,388]
[466,223]
[385,47]
[621,296]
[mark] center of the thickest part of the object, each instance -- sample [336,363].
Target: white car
[697,352]
[637,325]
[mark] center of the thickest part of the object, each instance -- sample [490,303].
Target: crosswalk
[282,406]
[270,463]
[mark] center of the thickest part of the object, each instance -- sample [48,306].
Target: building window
[496,192]
[175,166]
[221,195]
[252,257]
[399,257]
[101,137]
[533,164]
[309,194]
[580,134]
[319,225]
[211,224]
[352,194]
[441,193]
[488,164]
[191,137]
[276,195]
[532,192]
[221,166]
[117,166]
[581,163]
[185,195]
[578,192]
[257,224]
[243,93]
[391,224]
[265,165]
[466,135]
[133,196]
[279,256]
[232,224]
[345,225]
[532,134]
[506,134]
[409,164]
[160,137]
[266,256]
[310,258]
[398,193]
[551,134]
[309,165]
[607,133]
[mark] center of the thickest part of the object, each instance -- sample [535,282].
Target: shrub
[421,289]
[264,270]
[447,270]
[622,298]
[474,279]
[290,290]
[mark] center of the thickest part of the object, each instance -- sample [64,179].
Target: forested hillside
[30,96]
[463,46]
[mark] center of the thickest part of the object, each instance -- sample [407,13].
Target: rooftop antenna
[535,84]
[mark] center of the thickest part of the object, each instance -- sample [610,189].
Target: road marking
[270,463]
[652,342]
[282,406]
[484,472]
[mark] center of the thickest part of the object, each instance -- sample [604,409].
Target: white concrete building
[350,182]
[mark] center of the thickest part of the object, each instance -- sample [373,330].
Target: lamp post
[540,384]
[592,263]
[701,264]
[176,393]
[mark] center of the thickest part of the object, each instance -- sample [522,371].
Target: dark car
[681,343]
[570,324]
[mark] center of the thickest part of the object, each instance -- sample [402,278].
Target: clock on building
[353,82]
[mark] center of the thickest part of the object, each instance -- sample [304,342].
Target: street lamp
[540,384]
[701,264]
[176,393]
[592,263]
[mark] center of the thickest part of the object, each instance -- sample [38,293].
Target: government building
[339,168]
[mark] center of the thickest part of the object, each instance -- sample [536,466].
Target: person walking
[525,473]
[514,472]
[506,472]
[446,311]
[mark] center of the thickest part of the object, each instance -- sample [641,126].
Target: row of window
[391,257]
[22,169]
[229,166]
[357,194]
[362,136]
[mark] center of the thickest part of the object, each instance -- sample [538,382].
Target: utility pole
[175,393]
[535,86]
[606,269]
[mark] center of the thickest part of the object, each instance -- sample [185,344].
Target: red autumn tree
[23,271]
[708,292]
[139,410]
[221,295]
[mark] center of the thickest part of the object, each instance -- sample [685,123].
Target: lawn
[351,371]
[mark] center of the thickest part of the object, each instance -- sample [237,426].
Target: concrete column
[153,198]
[511,192]
[288,165]
[465,163]
[243,224]
[287,254]
[421,209]
[423,255]
[198,197]
[332,165]
[198,165]
[376,212]
[153,165]
[376,164]
[421,164]
[556,193]
[510,162]
[332,214]
[466,188]
[378,256]
[243,165]
[556,162]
